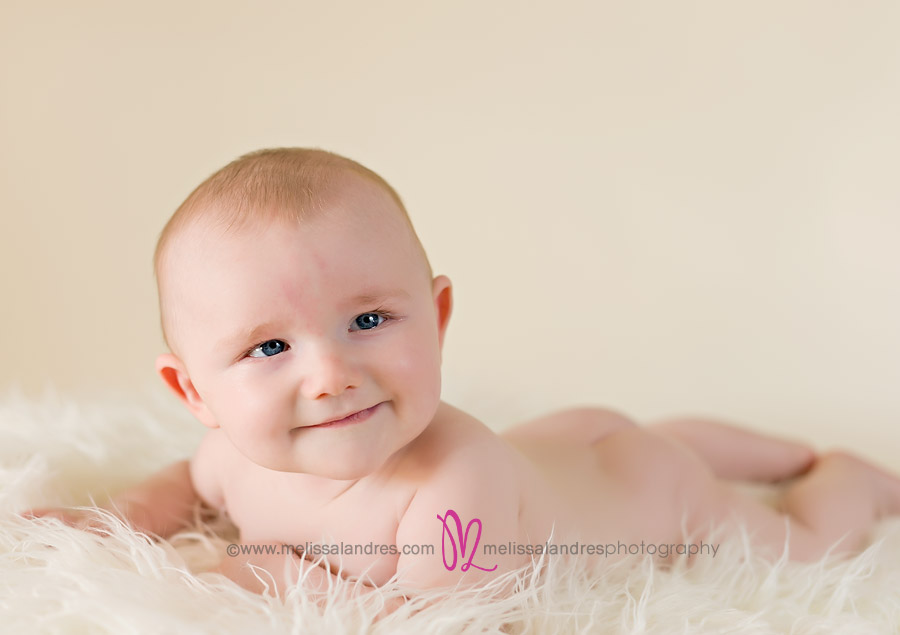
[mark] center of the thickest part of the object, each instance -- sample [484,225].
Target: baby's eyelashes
[362,322]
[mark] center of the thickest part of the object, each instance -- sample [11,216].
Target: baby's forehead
[354,214]
[376,240]
[336,254]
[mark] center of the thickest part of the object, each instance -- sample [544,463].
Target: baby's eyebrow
[374,297]
[254,333]
[245,335]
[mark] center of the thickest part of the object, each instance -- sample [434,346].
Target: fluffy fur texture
[57,579]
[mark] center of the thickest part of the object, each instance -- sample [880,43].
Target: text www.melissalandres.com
[333,549]
[663,550]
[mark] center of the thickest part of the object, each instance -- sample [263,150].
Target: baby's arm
[159,506]
[471,500]
[478,487]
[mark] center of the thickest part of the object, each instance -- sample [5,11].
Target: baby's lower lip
[358,417]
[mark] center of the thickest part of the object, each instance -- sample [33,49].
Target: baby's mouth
[356,417]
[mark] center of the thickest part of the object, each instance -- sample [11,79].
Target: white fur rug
[54,579]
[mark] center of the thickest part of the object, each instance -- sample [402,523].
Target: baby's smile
[341,422]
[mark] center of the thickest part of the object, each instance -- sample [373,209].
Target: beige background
[664,207]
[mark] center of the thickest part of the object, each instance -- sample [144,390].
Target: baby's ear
[443,304]
[174,373]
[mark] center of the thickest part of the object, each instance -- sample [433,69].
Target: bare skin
[286,336]
[570,469]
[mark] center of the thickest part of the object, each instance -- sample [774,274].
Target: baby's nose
[328,371]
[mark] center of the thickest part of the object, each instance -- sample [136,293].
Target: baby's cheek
[256,414]
[421,387]
[419,368]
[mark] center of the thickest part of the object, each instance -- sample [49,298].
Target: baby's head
[294,291]
[285,186]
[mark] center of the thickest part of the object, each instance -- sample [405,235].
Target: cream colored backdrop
[664,207]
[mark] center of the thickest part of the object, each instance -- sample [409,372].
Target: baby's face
[285,328]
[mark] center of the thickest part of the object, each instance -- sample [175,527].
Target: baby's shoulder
[454,440]
[459,458]
[459,463]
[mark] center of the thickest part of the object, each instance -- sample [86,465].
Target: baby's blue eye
[268,349]
[364,322]
[368,321]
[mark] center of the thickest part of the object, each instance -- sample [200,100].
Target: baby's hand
[158,507]
[84,518]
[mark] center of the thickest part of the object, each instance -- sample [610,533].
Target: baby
[306,327]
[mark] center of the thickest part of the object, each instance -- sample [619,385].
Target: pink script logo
[463,540]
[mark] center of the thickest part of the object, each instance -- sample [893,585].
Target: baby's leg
[738,454]
[842,494]
[834,505]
